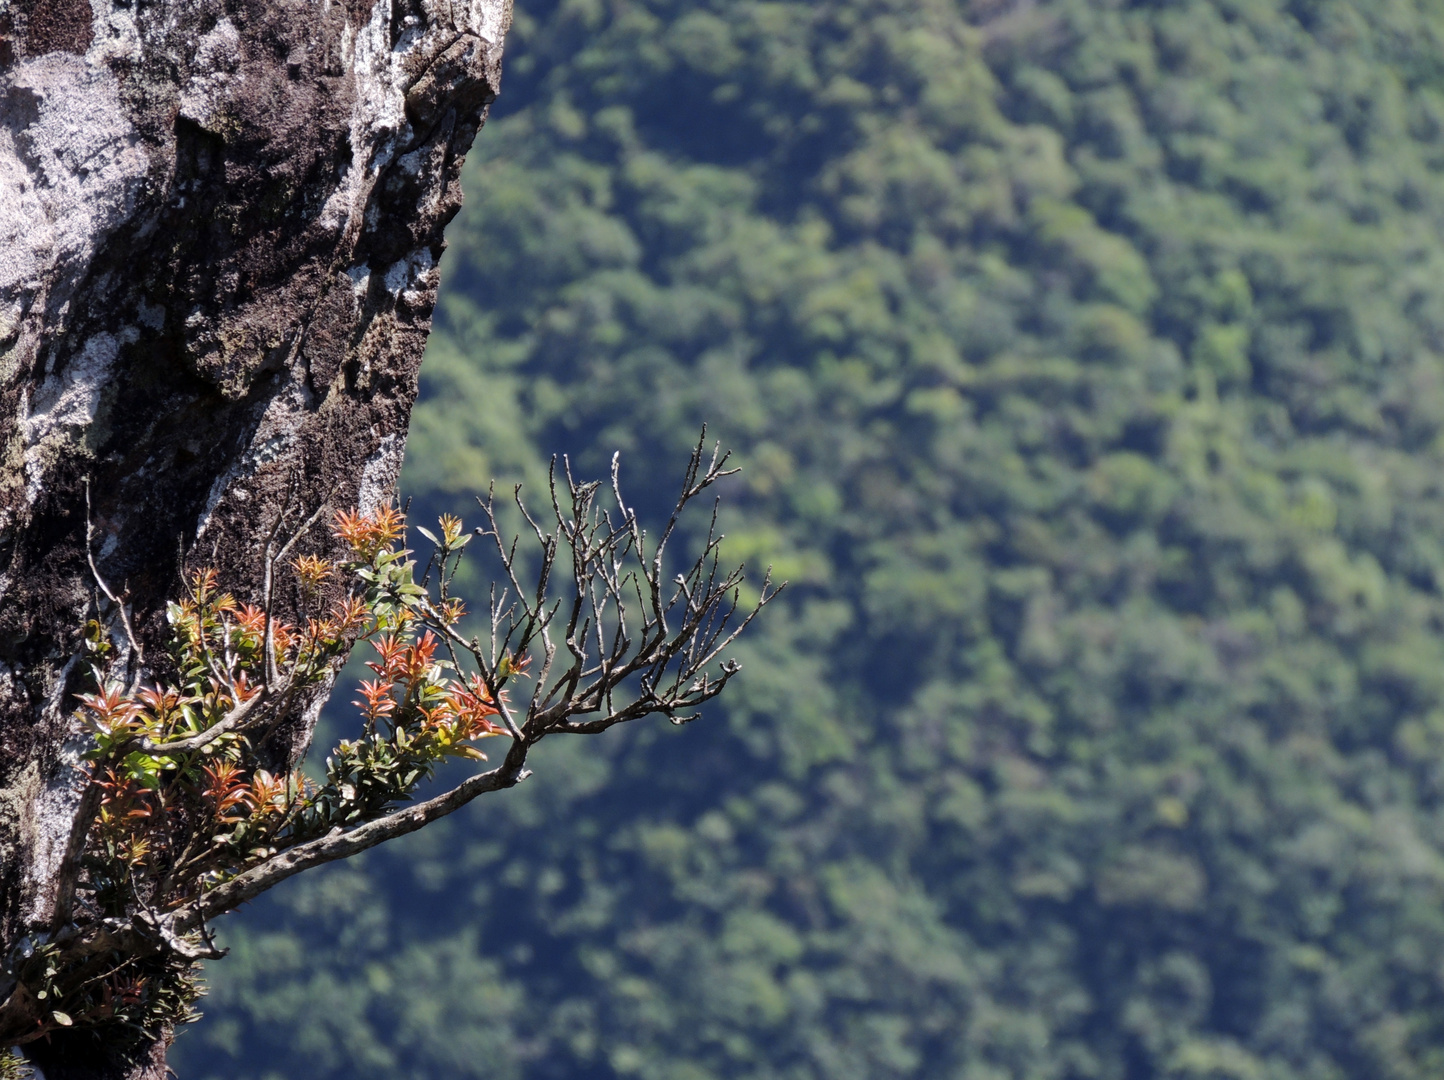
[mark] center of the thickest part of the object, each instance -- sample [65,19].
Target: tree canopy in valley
[1086,363]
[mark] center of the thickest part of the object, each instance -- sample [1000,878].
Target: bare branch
[343,844]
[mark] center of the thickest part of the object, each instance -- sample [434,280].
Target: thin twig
[136,660]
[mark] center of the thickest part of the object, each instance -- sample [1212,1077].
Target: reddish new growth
[368,535]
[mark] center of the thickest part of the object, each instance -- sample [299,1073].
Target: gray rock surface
[220,223]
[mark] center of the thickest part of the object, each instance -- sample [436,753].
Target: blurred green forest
[1086,361]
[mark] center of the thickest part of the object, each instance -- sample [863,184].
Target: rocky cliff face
[220,222]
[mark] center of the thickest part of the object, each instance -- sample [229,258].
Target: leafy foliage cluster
[171,824]
[1087,358]
[177,803]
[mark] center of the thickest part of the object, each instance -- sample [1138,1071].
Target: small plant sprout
[184,814]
